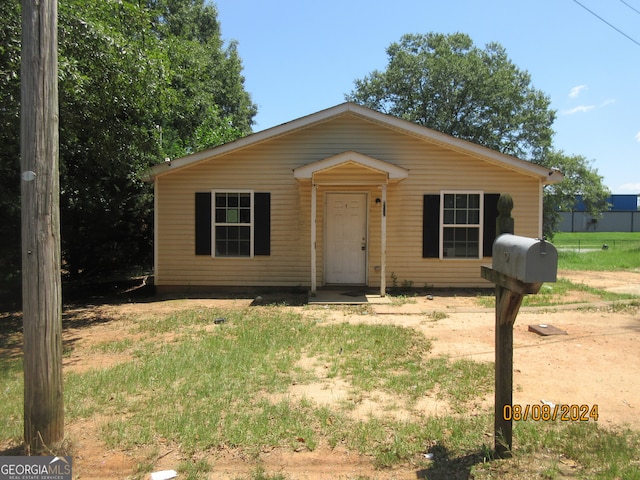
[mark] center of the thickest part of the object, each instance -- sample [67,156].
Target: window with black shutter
[454,222]
[234,223]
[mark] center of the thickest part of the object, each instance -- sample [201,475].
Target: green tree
[205,104]
[10,140]
[110,77]
[446,83]
[138,81]
[580,178]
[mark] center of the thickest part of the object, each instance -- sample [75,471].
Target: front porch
[348,174]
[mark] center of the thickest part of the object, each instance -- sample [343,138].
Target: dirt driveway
[595,363]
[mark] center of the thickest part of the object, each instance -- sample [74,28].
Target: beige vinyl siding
[268,167]
[177,262]
[350,174]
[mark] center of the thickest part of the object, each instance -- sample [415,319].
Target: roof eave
[249,140]
[463,146]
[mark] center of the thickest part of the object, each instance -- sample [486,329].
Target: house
[345,196]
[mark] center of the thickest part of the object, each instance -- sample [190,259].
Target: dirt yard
[595,363]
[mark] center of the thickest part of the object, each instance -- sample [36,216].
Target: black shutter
[203,223]
[431,226]
[262,224]
[489,227]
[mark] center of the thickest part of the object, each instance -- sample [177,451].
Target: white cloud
[587,108]
[575,91]
[630,187]
[578,109]
[638,136]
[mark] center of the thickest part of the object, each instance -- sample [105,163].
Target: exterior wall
[610,222]
[445,170]
[177,263]
[267,167]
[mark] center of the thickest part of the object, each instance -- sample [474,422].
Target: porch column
[313,237]
[383,243]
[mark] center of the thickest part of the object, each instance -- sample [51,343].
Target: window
[236,223]
[461,224]
[233,224]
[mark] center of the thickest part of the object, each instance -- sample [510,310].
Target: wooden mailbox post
[520,266]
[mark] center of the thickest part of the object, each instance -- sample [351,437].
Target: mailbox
[529,260]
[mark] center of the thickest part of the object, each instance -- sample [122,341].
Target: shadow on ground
[444,467]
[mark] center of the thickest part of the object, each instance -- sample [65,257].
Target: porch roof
[391,173]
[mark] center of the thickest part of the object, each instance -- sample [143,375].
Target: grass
[622,254]
[227,378]
[575,450]
[11,388]
[583,251]
[552,294]
[204,386]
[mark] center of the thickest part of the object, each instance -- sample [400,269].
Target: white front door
[346,238]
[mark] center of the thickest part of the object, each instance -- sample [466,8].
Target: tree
[151,81]
[10,140]
[138,81]
[580,178]
[205,104]
[446,83]
[110,78]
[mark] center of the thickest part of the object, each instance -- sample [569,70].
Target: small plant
[438,315]
[194,469]
[400,288]
[394,281]
[260,474]
[399,300]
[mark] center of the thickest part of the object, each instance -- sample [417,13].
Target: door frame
[365,196]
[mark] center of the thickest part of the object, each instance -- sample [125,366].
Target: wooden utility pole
[40,190]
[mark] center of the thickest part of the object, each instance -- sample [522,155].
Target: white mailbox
[529,260]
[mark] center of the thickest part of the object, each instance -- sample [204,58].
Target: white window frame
[215,224]
[480,225]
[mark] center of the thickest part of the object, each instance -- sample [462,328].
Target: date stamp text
[546,413]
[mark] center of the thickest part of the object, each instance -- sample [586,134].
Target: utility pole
[40,201]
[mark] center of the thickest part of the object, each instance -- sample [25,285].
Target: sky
[300,57]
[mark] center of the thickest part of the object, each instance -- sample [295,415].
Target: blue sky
[301,57]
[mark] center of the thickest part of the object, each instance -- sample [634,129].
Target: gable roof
[394,173]
[447,141]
